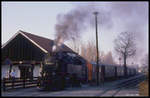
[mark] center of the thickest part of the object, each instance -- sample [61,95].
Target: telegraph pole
[97,67]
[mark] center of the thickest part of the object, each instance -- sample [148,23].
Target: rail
[130,79]
[128,83]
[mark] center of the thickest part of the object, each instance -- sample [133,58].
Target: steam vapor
[133,17]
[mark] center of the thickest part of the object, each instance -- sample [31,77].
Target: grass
[144,88]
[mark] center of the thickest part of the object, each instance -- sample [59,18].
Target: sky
[41,18]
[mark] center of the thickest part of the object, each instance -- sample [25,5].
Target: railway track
[126,84]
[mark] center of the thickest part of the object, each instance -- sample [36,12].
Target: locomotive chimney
[57,44]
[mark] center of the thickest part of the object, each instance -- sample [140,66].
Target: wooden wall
[21,49]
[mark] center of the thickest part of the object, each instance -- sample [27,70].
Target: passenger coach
[108,72]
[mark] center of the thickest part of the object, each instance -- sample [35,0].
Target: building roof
[44,44]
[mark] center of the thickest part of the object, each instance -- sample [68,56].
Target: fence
[13,83]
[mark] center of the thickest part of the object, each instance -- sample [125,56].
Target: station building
[24,53]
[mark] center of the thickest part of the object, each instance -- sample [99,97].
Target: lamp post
[120,60]
[97,67]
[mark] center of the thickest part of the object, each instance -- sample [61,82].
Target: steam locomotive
[61,68]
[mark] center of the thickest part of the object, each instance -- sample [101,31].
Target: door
[25,72]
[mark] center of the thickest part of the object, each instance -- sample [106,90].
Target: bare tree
[88,51]
[125,46]
[83,51]
[145,63]
[101,56]
[145,60]
[108,59]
